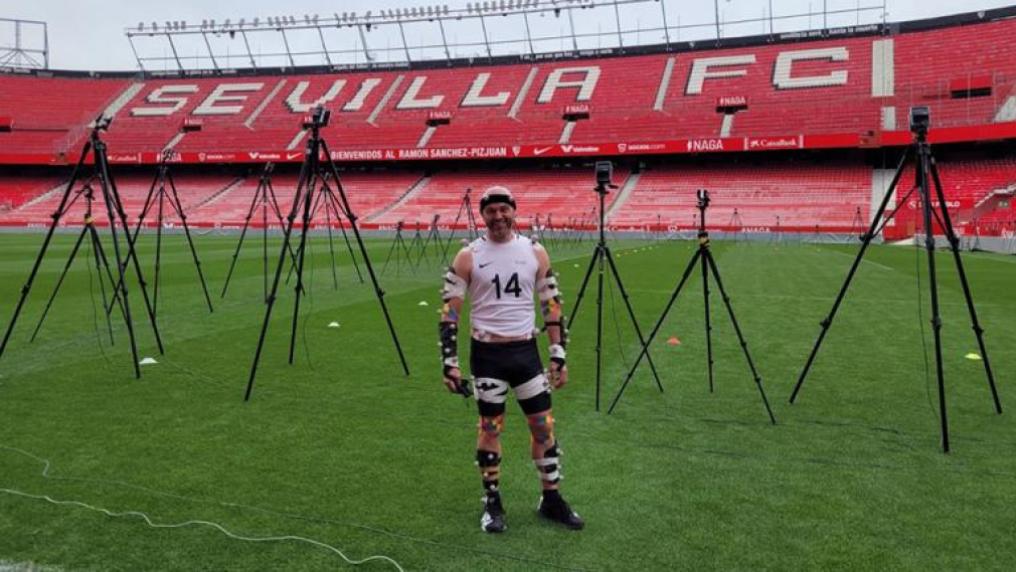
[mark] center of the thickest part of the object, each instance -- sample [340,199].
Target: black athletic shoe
[493,515]
[559,511]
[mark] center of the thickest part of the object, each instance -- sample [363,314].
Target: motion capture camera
[604,173]
[319,118]
[703,198]
[102,122]
[920,119]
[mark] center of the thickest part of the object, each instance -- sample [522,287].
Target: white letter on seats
[474,99]
[293,101]
[208,106]
[366,86]
[585,85]
[409,100]
[782,73]
[700,70]
[157,97]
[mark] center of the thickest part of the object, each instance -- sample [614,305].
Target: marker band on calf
[490,469]
[549,466]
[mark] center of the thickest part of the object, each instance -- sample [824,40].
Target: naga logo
[622,147]
[201,157]
[516,149]
[696,145]
[541,150]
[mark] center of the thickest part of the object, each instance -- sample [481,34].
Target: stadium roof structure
[495,30]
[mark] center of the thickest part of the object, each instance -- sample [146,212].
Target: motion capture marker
[973,356]
[423,303]
[148,361]
[673,341]
[333,325]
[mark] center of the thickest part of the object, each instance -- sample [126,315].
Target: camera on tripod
[703,198]
[920,119]
[604,173]
[319,118]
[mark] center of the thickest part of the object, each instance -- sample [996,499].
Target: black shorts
[498,367]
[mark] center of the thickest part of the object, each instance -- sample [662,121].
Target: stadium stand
[560,193]
[802,196]
[830,91]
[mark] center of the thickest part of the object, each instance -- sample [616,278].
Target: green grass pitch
[344,449]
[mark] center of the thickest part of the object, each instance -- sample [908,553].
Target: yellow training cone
[973,356]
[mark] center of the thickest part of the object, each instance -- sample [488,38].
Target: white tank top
[501,287]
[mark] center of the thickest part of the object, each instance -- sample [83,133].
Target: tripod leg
[315,203]
[158,253]
[331,245]
[109,196]
[389,257]
[130,257]
[708,261]
[349,247]
[936,318]
[59,282]
[875,220]
[101,254]
[239,244]
[301,254]
[582,288]
[599,322]
[954,246]
[631,313]
[656,329]
[102,283]
[709,325]
[178,206]
[45,246]
[282,221]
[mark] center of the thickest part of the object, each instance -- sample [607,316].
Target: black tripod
[96,147]
[399,247]
[101,262]
[157,194]
[312,172]
[925,168]
[600,254]
[705,256]
[735,223]
[856,226]
[333,209]
[264,197]
[465,207]
[434,235]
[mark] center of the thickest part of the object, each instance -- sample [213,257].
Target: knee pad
[541,428]
[549,466]
[491,426]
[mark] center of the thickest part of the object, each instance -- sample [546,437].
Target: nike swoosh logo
[485,264]
[541,151]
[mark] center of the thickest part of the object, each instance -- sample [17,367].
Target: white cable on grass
[153,524]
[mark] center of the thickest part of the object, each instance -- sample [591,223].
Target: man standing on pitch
[503,273]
